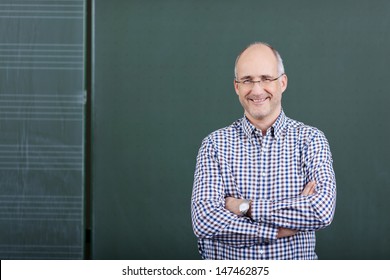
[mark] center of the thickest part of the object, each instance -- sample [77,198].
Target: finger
[309,188]
[313,188]
[306,189]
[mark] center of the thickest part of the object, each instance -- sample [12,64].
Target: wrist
[249,212]
[245,207]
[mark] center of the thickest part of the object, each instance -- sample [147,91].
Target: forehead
[257,60]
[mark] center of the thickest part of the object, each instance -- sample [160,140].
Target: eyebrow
[249,77]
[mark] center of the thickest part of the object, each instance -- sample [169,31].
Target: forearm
[213,221]
[234,205]
[303,213]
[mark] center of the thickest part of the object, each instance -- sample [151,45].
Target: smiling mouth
[258,100]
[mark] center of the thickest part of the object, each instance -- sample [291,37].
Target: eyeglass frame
[264,79]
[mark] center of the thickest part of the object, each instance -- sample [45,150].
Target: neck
[263,123]
[262,126]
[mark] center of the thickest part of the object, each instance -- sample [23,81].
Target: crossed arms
[215,213]
[232,204]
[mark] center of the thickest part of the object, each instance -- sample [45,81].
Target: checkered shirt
[271,170]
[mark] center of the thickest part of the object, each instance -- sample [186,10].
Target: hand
[309,189]
[285,232]
[233,205]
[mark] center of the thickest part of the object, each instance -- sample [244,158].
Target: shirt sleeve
[210,219]
[311,212]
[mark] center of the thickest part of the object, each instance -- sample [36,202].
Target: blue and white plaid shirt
[272,171]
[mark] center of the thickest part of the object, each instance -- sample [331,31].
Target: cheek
[241,95]
[277,93]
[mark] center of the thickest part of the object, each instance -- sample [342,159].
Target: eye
[247,82]
[266,79]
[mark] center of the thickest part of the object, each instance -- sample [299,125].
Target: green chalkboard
[163,80]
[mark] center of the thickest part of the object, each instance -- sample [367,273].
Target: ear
[283,82]
[235,86]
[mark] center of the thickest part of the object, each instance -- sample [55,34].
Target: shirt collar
[279,124]
[248,127]
[276,128]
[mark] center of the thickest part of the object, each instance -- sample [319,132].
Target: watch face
[244,206]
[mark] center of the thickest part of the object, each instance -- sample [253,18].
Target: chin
[258,115]
[264,113]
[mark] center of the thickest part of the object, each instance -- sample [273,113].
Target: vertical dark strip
[88,125]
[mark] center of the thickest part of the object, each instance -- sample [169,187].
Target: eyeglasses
[249,84]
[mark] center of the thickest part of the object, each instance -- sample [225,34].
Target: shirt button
[263,174]
[261,252]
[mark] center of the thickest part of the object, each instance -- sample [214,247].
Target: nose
[257,86]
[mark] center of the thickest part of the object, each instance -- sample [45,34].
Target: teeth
[259,100]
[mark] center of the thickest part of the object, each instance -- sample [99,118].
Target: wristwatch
[244,207]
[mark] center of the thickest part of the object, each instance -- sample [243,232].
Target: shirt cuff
[267,233]
[261,210]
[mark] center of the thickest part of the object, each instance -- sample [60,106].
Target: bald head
[256,48]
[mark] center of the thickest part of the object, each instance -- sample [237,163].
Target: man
[264,184]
